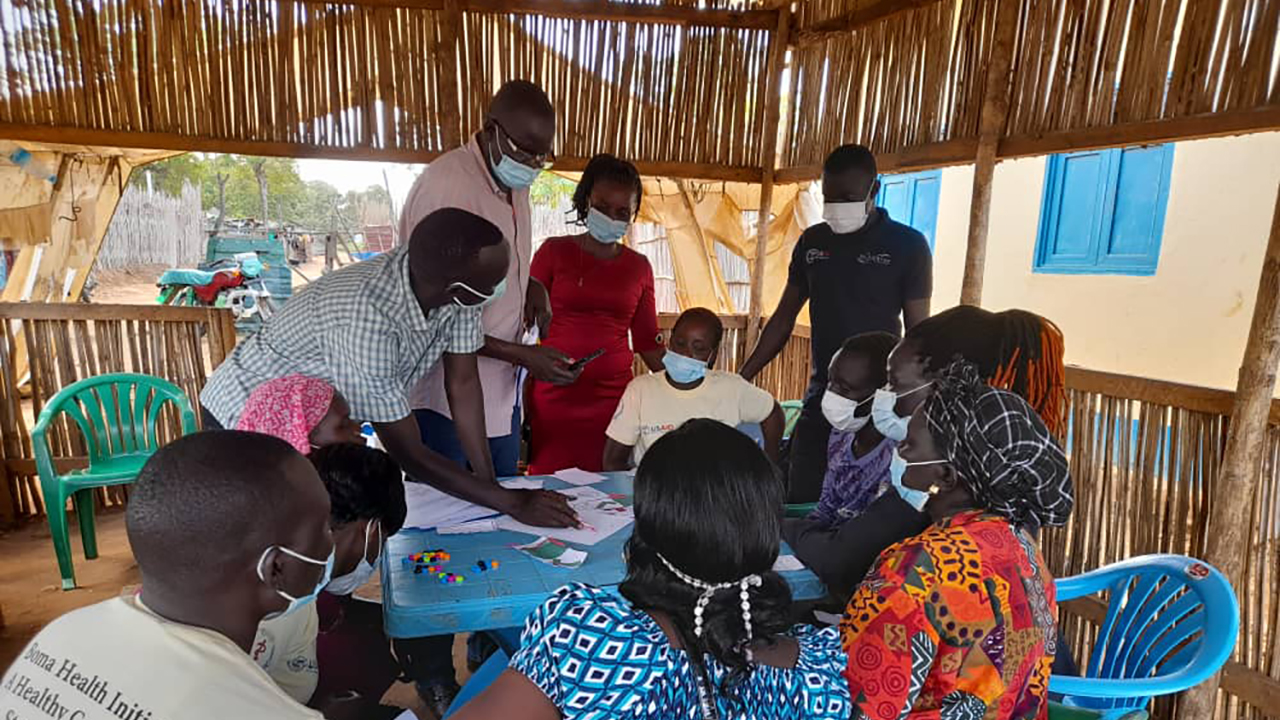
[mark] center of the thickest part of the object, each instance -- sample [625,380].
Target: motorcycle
[235,283]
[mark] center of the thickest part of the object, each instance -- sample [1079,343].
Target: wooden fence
[1144,457]
[152,228]
[66,343]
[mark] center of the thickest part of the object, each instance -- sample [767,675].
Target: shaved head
[526,118]
[206,505]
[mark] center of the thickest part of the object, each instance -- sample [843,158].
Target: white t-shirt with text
[651,407]
[118,660]
[286,648]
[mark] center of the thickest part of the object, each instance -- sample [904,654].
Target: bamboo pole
[768,163]
[995,111]
[1228,535]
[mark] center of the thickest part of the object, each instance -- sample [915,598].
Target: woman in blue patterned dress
[702,628]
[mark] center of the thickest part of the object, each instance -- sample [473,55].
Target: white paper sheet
[600,514]
[574,476]
[429,508]
[786,563]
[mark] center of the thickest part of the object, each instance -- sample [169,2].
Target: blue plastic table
[421,606]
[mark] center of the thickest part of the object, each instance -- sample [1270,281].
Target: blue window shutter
[924,209]
[1141,196]
[1103,211]
[1074,200]
[895,196]
[912,199]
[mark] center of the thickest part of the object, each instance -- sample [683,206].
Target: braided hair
[1014,350]
[605,167]
[709,502]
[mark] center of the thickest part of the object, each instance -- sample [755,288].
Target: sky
[348,175]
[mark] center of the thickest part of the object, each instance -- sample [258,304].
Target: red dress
[594,304]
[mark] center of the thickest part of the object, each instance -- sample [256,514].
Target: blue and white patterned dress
[594,656]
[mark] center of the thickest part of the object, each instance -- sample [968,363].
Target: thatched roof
[682,87]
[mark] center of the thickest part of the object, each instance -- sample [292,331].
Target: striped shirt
[361,329]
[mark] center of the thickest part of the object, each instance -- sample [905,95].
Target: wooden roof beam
[599,10]
[866,15]
[188,143]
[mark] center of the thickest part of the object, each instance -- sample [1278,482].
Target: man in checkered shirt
[375,328]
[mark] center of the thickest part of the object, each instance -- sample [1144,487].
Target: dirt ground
[30,587]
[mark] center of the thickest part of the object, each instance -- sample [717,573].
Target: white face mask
[302,600]
[840,412]
[846,217]
[349,583]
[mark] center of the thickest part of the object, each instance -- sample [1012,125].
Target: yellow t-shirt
[651,407]
[286,648]
[117,659]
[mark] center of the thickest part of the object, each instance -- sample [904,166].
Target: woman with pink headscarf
[303,411]
[333,652]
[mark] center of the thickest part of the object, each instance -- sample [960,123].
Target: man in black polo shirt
[860,270]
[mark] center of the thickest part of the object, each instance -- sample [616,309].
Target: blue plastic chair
[1171,622]
[482,678]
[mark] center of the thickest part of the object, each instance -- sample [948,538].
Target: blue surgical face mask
[887,420]
[301,600]
[515,175]
[604,228]
[349,583]
[897,468]
[487,300]
[683,369]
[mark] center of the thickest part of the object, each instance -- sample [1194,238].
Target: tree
[169,175]
[259,166]
[550,190]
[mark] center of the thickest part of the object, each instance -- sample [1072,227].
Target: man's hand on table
[542,508]
[549,364]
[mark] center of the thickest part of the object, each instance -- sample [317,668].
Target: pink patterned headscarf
[288,408]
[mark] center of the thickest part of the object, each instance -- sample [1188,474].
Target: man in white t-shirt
[227,528]
[658,403]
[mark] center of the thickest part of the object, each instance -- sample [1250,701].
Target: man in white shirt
[658,403]
[221,543]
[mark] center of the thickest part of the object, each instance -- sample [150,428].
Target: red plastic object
[224,279]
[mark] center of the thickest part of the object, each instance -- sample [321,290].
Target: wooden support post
[1232,497]
[447,57]
[768,163]
[995,112]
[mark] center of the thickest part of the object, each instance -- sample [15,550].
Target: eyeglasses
[521,155]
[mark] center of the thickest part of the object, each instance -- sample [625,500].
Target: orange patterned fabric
[957,623]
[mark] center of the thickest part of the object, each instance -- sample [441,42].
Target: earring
[934,489]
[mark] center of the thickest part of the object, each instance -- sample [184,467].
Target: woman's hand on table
[542,508]
[549,365]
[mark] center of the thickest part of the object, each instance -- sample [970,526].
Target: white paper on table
[600,514]
[575,476]
[787,563]
[430,508]
[469,528]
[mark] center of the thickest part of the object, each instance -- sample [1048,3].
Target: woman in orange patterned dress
[960,621]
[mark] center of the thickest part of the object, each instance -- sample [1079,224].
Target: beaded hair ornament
[709,590]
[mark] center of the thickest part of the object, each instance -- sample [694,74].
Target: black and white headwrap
[1001,449]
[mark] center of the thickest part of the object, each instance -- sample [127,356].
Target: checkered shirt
[361,329]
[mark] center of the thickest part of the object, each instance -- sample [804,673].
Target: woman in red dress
[601,292]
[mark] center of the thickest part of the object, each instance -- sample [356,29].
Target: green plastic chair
[791,411]
[117,415]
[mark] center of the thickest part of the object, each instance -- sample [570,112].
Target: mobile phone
[580,362]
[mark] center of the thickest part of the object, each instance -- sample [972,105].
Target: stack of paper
[430,508]
[574,476]
[601,516]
